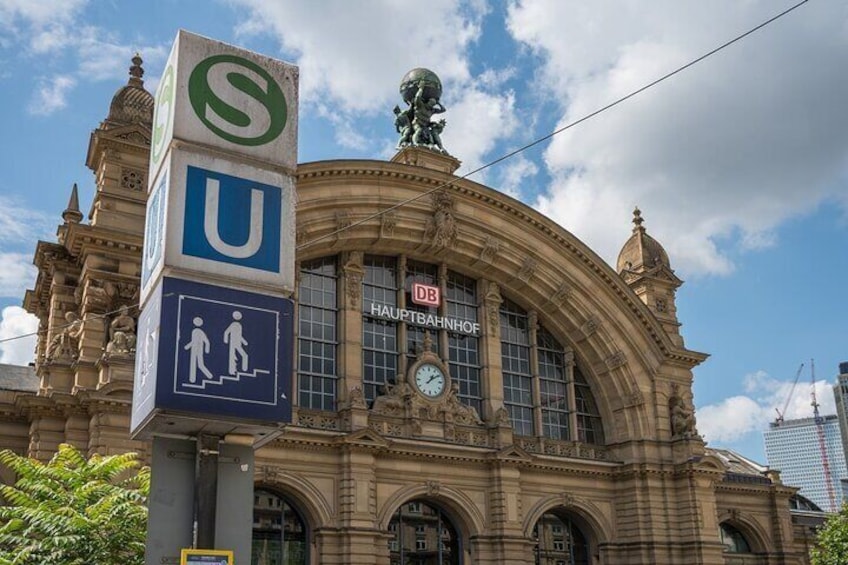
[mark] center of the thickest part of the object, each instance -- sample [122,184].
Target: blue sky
[739,164]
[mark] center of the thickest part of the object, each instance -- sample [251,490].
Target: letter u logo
[232,220]
[210,223]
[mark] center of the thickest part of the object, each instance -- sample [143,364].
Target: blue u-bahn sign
[222,352]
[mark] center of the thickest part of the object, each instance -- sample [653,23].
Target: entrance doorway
[559,541]
[279,532]
[422,534]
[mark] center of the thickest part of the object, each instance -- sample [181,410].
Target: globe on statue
[409,84]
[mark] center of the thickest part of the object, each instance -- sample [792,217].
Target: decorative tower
[86,293]
[644,266]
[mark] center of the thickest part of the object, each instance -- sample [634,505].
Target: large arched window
[423,534]
[733,540]
[279,533]
[390,343]
[544,391]
[559,541]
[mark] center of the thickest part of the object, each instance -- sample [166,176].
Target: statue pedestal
[422,157]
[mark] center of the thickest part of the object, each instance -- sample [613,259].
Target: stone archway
[280,531]
[423,532]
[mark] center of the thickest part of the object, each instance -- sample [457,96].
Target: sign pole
[207,489]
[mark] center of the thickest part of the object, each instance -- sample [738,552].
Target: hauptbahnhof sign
[393,313]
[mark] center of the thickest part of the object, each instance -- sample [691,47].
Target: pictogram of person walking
[198,346]
[233,337]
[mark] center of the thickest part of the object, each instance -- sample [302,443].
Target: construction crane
[780,414]
[822,444]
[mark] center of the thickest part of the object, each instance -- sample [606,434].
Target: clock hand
[433,378]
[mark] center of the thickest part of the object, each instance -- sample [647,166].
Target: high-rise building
[794,448]
[840,394]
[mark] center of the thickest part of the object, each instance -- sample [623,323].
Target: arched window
[279,533]
[733,540]
[422,533]
[559,540]
[544,391]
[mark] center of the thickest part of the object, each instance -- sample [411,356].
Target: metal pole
[207,489]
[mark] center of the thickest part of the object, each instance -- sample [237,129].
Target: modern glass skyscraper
[840,394]
[793,448]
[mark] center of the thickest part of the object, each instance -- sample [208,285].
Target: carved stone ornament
[132,179]
[356,398]
[121,291]
[616,360]
[527,269]
[441,230]
[433,488]
[343,222]
[65,343]
[354,275]
[567,499]
[493,309]
[394,400]
[681,415]
[491,248]
[502,416]
[561,294]
[122,336]
[388,222]
[591,325]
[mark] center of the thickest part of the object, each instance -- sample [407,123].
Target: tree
[832,540]
[74,512]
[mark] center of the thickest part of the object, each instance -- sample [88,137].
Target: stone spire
[72,214]
[644,265]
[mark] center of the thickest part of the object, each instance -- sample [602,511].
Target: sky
[739,164]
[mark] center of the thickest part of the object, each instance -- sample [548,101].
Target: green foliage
[74,512]
[832,540]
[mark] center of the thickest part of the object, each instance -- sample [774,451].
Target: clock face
[430,380]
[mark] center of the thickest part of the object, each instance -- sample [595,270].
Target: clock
[430,380]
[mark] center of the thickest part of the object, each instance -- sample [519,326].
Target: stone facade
[624,467]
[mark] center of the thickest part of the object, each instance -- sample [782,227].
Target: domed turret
[645,267]
[641,251]
[132,103]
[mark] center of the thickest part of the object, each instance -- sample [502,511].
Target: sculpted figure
[122,336]
[403,125]
[682,418]
[462,413]
[421,90]
[424,108]
[65,344]
[391,402]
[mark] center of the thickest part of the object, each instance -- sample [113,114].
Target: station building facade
[563,431]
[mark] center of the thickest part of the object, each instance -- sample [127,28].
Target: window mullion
[535,387]
[571,394]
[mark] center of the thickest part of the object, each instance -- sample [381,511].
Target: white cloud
[717,156]
[738,416]
[15,321]
[17,273]
[45,25]
[514,172]
[51,95]
[22,225]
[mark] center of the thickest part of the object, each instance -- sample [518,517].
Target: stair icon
[224,378]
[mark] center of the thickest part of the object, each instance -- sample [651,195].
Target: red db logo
[425,295]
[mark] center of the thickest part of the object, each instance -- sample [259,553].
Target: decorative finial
[72,214]
[136,71]
[637,219]
[428,342]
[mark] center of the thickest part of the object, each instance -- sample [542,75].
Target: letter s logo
[162,114]
[237,100]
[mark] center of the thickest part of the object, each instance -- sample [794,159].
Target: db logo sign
[238,100]
[426,295]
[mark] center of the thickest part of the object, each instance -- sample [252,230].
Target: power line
[557,131]
[511,153]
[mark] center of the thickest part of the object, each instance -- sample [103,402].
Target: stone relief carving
[616,360]
[458,412]
[356,398]
[65,344]
[354,274]
[493,306]
[388,222]
[527,269]
[590,326]
[681,415]
[343,222]
[491,248]
[441,230]
[502,416]
[122,336]
[561,294]
[132,179]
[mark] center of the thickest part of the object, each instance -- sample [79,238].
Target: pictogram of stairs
[224,378]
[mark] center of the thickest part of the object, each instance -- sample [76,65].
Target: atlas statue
[420,90]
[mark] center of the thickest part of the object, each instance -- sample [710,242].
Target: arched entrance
[560,541]
[279,531]
[422,534]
